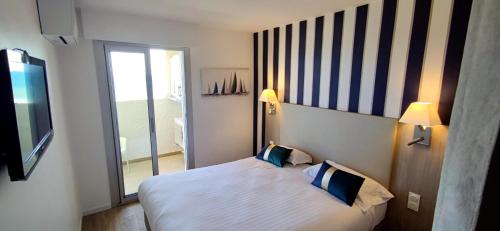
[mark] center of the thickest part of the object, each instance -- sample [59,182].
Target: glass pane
[129,81]
[167,73]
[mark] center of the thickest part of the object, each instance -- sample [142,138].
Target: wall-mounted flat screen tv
[25,120]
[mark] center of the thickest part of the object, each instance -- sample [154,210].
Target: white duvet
[247,194]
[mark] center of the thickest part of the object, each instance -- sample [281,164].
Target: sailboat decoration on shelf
[222,85]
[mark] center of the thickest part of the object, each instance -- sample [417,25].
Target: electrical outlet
[413,201]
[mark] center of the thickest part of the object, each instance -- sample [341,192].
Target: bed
[248,194]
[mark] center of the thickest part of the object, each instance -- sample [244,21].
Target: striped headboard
[372,59]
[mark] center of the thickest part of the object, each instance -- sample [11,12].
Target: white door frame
[108,109]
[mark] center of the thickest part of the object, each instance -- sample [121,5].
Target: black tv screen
[26,121]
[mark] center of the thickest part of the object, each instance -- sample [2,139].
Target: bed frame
[362,142]
[378,227]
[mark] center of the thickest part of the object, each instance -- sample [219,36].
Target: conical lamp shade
[421,113]
[268,96]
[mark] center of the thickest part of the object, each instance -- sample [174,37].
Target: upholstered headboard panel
[361,142]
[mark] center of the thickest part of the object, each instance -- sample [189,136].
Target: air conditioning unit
[58,21]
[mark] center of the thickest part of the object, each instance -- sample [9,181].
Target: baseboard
[149,158]
[170,153]
[96,209]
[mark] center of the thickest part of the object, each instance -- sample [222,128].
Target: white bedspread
[247,194]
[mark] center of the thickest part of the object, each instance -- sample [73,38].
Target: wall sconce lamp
[423,115]
[268,96]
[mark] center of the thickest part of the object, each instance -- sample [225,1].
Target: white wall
[85,125]
[222,125]
[49,199]
[214,118]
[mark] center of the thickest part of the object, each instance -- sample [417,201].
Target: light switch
[413,201]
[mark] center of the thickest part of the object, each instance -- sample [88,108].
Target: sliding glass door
[130,87]
[148,113]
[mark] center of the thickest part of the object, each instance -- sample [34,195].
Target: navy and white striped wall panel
[372,59]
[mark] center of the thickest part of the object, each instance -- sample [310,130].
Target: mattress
[248,194]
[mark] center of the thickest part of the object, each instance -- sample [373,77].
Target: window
[166,72]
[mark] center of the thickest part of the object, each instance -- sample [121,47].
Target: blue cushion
[343,185]
[274,154]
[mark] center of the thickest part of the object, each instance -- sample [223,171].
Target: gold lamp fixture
[423,115]
[268,96]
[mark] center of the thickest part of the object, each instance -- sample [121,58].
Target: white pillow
[370,194]
[297,156]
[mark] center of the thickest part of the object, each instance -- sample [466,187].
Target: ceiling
[246,15]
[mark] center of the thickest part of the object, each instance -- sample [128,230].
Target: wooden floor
[128,217]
